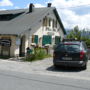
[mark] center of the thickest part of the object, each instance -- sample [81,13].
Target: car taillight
[82,53]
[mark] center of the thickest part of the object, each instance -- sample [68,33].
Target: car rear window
[68,47]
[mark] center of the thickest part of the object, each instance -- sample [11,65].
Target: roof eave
[9,34]
[59,20]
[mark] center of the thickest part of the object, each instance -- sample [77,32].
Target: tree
[75,33]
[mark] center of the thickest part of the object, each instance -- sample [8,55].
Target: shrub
[30,57]
[39,54]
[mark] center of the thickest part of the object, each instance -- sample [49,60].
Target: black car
[71,53]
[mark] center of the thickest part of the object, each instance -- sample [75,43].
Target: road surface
[11,80]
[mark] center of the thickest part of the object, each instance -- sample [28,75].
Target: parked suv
[71,53]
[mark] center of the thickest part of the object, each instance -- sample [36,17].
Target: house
[22,27]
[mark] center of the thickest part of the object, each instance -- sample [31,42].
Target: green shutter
[57,39]
[36,39]
[47,39]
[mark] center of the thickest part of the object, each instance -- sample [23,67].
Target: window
[47,39]
[5,41]
[49,22]
[7,17]
[53,23]
[32,38]
[68,48]
[56,24]
[35,39]
[45,21]
[57,39]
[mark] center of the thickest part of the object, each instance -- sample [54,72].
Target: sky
[72,12]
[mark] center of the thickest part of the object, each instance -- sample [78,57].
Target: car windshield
[68,47]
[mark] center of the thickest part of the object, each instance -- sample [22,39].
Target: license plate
[67,58]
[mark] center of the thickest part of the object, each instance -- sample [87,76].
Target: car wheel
[84,67]
[56,66]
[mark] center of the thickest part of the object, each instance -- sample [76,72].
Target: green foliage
[38,55]
[86,40]
[76,33]
[4,57]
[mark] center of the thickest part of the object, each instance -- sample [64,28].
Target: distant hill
[83,32]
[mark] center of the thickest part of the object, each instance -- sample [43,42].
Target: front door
[5,51]
[22,46]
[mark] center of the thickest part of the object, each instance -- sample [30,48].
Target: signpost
[18,41]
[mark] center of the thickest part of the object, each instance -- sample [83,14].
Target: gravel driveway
[44,67]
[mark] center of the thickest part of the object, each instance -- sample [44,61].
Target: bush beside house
[39,54]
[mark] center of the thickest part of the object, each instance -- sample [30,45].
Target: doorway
[22,46]
[5,51]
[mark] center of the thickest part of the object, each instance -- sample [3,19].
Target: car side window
[84,46]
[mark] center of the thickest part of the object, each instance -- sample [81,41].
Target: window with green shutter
[36,39]
[57,39]
[47,39]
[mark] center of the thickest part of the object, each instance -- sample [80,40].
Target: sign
[18,41]
[5,42]
[50,33]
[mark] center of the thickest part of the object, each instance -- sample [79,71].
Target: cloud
[16,7]
[2,9]
[70,3]
[6,3]
[71,19]
[39,5]
[69,16]
[36,5]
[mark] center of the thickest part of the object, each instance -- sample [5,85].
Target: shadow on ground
[64,69]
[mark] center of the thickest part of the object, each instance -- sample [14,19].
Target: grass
[4,57]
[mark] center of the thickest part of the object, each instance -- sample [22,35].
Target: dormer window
[7,17]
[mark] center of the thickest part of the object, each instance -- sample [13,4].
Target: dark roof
[25,21]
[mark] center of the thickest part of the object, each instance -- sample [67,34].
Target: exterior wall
[58,31]
[27,41]
[13,46]
[16,45]
[41,30]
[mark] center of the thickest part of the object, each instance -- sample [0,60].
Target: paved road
[21,81]
[44,67]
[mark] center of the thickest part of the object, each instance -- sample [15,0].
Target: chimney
[49,4]
[31,7]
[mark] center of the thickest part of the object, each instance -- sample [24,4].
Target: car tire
[56,66]
[84,67]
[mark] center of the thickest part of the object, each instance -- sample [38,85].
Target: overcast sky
[72,12]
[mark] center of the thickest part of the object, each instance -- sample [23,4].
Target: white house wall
[40,30]
[14,49]
[60,32]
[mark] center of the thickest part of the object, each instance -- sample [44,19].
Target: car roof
[71,42]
